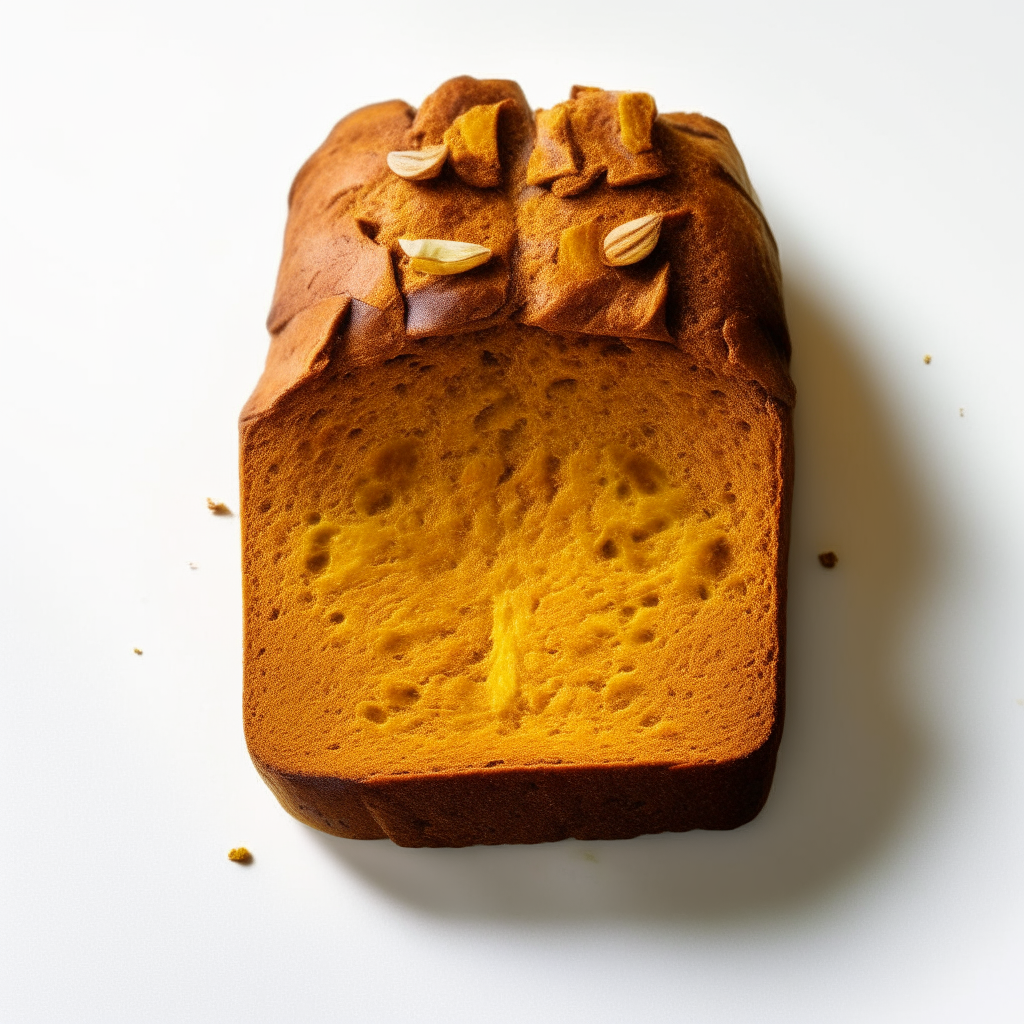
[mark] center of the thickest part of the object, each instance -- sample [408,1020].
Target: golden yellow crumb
[137,650]
[927,359]
[240,855]
[218,508]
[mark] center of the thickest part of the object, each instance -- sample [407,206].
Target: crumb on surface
[137,650]
[829,559]
[218,508]
[192,565]
[240,855]
[961,410]
[927,359]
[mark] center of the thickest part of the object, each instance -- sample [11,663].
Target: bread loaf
[515,512]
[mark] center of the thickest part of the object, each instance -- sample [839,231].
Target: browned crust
[716,259]
[344,299]
[297,354]
[533,805]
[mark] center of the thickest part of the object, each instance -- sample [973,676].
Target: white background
[146,153]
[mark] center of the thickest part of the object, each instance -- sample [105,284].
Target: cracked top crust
[540,191]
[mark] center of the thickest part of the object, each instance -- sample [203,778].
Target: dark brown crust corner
[753,358]
[299,352]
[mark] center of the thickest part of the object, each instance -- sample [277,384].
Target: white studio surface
[145,156]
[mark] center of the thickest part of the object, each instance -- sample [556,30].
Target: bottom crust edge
[532,805]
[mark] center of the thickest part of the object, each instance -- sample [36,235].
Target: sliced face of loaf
[515,584]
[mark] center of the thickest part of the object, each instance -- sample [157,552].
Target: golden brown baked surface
[515,538]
